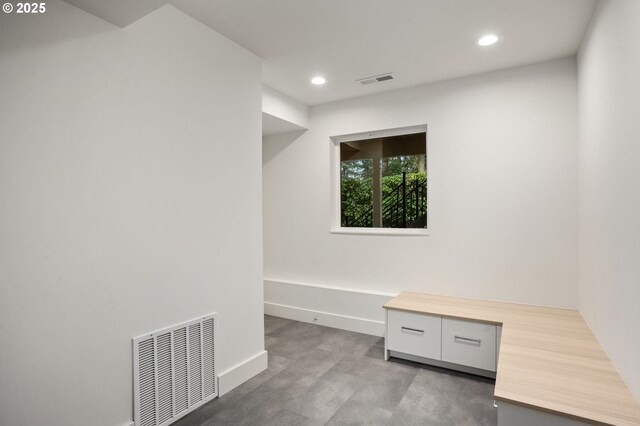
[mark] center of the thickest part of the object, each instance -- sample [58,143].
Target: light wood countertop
[549,359]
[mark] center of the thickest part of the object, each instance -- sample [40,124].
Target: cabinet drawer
[414,334]
[469,343]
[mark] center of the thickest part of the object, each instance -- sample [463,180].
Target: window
[382,179]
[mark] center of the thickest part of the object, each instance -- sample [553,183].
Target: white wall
[609,66]
[338,307]
[118,151]
[283,107]
[502,161]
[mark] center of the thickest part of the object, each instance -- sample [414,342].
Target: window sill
[382,231]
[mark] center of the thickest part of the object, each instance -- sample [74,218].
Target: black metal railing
[405,206]
[365,220]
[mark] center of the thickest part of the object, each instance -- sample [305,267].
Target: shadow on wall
[82,26]
[272,145]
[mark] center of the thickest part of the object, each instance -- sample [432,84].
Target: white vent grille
[174,371]
[195,363]
[375,79]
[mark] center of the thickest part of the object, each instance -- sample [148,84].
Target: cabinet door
[414,334]
[469,343]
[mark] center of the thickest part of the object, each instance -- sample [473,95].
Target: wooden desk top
[549,358]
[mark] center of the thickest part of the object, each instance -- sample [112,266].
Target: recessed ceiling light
[318,80]
[488,40]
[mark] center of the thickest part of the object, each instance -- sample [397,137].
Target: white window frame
[335,227]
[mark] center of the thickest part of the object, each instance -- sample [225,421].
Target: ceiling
[119,12]
[420,41]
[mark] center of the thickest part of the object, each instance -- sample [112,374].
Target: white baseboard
[235,376]
[345,308]
[359,325]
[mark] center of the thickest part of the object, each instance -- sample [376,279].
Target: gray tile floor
[325,376]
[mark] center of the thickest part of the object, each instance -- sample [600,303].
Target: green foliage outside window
[357,194]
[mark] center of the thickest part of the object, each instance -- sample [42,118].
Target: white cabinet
[512,414]
[414,334]
[469,343]
[464,345]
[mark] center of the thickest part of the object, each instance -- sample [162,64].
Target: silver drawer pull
[466,339]
[412,329]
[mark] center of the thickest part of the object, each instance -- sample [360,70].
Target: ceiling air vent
[375,79]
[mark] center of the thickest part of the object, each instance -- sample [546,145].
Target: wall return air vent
[375,79]
[174,371]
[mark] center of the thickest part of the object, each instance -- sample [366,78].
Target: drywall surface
[283,107]
[119,151]
[338,307]
[503,196]
[609,66]
[119,12]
